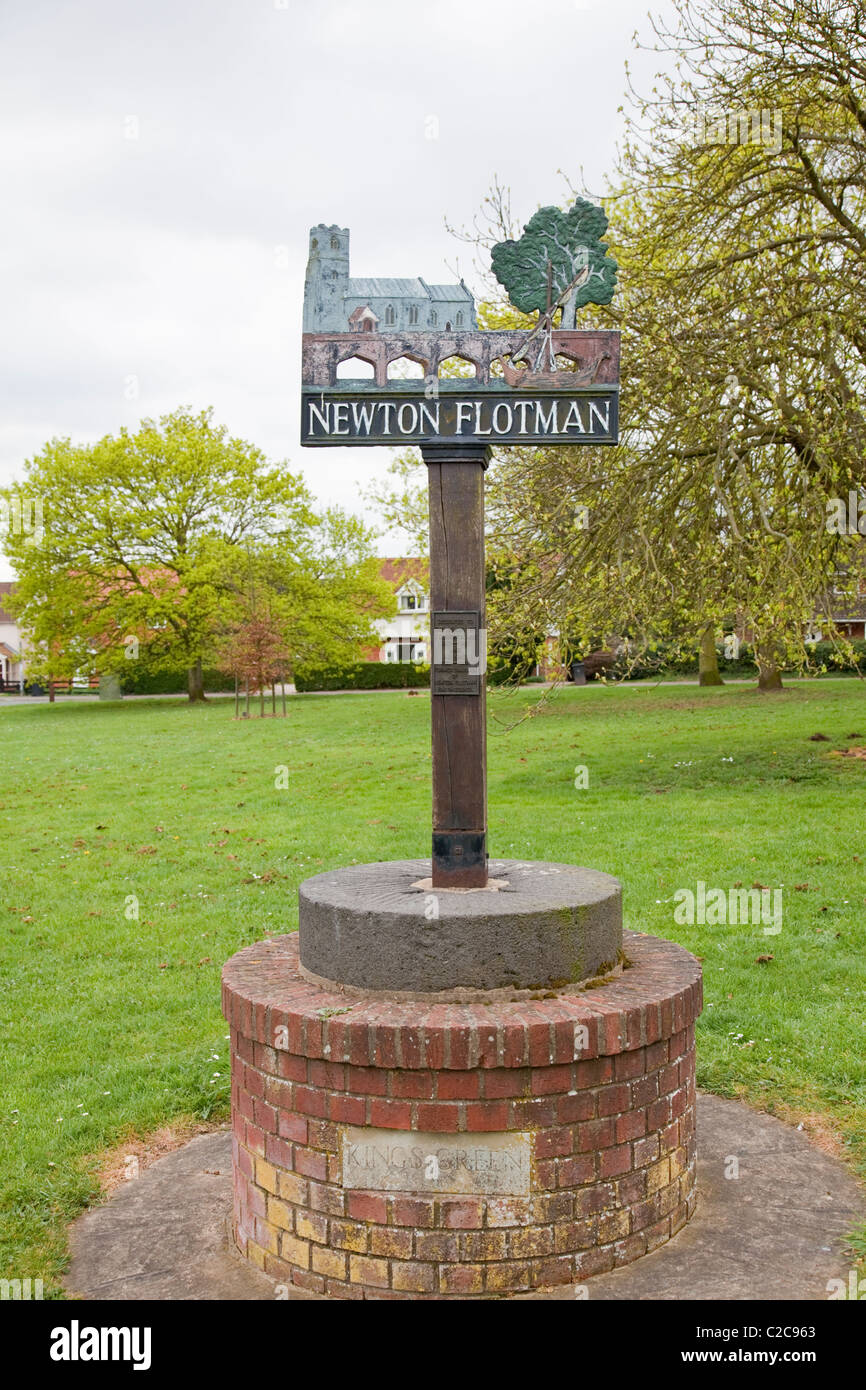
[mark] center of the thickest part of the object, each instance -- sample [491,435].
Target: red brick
[347,1110]
[669,1078]
[547,1274]
[487,1115]
[659,1113]
[630,1126]
[613,1100]
[550,1142]
[328,1075]
[310,1102]
[367,1081]
[593,1071]
[458,1085]
[461,1214]
[291,1067]
[438,1119]
[461,1278]
[413,1211]
[311,1164]
[551,1080]
[278,1152]
[593,1135]
[574,1172]
[390,1114]
[367,1206]
[644,1091]
[413,1085]
[533,1114]
[255,1140]
[291,1126]
[253,1082]
[615,1161]
[630,1064]
[572,1108]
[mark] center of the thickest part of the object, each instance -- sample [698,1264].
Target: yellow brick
[297,1252]
[255,1254]
[363,1269]
[312,1226]
[613,1225]
[658,1175]
[293,1189]
[678,1162]
[346,1235]
[331,1263]
[280,1215]
[266,1175]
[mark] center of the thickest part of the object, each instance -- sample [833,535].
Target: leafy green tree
[145,534]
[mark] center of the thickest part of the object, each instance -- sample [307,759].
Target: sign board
[401,416]
[387,1160]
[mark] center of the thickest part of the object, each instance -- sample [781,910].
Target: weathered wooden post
[458,699]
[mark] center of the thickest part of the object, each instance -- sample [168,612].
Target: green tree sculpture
[559,262]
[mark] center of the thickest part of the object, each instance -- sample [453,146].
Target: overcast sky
[162,162]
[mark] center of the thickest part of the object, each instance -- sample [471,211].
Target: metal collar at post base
[459,859]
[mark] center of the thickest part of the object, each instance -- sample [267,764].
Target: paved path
[776,1232]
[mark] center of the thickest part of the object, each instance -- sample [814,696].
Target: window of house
[408,601]
[419,653]
[413,314]
[335,243]
[389,314]
[459,318]
[434,318]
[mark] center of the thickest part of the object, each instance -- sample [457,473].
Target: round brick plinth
[511,1146]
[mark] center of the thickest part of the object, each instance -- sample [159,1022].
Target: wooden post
[455,476]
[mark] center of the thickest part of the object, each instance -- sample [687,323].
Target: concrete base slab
[777,1231]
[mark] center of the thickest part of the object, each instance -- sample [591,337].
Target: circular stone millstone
[372,927]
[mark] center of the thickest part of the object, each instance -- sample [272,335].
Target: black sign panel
[587,415]
[459,653]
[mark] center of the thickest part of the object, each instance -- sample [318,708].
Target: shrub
[363,675]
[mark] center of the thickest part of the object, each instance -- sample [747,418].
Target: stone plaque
[389,1160]
[458,653]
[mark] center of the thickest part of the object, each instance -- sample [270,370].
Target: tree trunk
[195,678]
[50,691]
[769,675]
[708,661]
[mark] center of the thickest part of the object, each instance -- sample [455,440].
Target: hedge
[133,682]
[363,675]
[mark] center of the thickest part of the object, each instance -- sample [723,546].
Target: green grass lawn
[111,1025]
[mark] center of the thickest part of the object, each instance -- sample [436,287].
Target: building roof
[396,571]
[447,291]
[368,287]
[7,586]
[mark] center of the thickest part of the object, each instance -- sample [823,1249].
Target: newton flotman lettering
[588,417]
